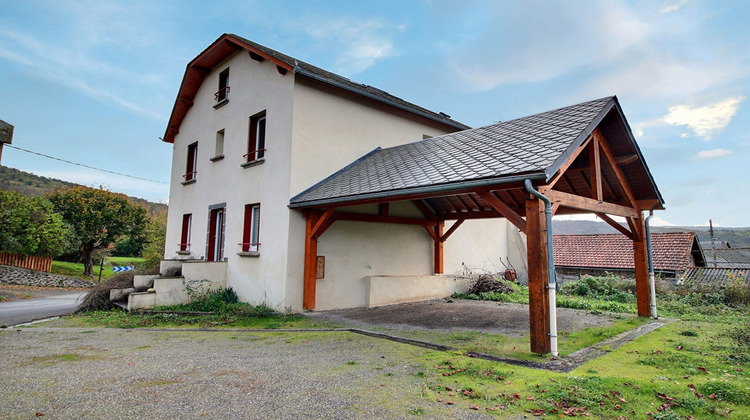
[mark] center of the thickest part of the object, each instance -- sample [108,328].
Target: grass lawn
[76,269]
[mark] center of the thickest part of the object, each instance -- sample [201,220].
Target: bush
[609,288]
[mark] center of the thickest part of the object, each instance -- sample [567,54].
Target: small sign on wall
[320,267]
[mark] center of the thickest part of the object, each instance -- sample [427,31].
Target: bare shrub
[484,283]
[98,298]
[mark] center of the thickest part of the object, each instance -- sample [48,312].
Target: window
[192,163]
[250,232]
[256,148]
[219,146]
[216,221]
[187,220]
[223,93]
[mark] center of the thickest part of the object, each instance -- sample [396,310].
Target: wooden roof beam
[426,211]
[588,204]
[595,167]
[624,184]
[452,229]
[570,161]
[615,225]
[504,210]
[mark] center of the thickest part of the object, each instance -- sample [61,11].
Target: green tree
[156,235]
[30,226]
[98,218]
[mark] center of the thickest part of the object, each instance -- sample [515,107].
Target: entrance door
[216,235]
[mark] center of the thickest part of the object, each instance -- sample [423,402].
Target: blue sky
[94,81]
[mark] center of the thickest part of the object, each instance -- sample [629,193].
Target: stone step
[120,295]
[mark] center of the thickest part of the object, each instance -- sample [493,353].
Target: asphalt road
[27,310]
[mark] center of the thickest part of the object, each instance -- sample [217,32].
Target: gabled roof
[228,44]
[671,251]
[534,147]
[728,258]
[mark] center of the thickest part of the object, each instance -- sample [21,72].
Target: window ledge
[221,103]
[188,182]
[253,162]
[183,252]
[251,254]
[216,158]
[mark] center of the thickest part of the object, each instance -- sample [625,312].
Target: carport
[582,158]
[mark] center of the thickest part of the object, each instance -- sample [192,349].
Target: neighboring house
[6,136]
[674,253]
[252,128]
[727,258]
[303,189]
[717,244]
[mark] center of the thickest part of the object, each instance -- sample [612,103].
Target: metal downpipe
[552,285]
[651,281]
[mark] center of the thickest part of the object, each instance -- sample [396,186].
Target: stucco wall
[313,130]
[255,87]
[355,251]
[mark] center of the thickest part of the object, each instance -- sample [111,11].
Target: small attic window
[222,95]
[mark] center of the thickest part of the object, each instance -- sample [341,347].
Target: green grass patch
[76,269]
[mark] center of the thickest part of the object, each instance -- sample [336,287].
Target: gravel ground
[510,319]
[111,373]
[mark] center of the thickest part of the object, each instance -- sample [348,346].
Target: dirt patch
[460,315]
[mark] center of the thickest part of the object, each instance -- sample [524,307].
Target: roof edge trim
[557,164]
[352,199]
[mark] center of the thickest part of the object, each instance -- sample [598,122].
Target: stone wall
[24,277]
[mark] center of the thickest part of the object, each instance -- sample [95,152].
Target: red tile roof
[671,251]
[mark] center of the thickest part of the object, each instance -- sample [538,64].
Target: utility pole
[713,246]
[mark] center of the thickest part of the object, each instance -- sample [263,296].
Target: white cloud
[361,43]
[705,121]
[658,221]
[712,154]
[544,41]
[669,7]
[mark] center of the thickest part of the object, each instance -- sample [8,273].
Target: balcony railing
[222,94]
[255,155]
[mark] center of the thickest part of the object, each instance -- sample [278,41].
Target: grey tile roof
[526,145]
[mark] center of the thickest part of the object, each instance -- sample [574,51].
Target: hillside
[26,183]
[737,237]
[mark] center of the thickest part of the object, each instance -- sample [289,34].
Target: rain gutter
[427,189]
[651,281]
[552,285]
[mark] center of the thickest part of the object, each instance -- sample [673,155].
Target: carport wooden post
[311,256]
[438,247]
[640,255]
[536,249]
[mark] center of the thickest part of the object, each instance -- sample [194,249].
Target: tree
[98,218]
[30,226]
[156,235]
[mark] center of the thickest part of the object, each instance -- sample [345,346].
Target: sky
[94,82]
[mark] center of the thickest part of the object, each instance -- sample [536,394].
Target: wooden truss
[592,180]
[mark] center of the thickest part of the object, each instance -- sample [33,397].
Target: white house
[251,129]
[305,190]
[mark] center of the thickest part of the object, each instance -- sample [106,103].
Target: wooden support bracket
[503,209]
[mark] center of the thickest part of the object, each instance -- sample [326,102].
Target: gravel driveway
[113,373]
